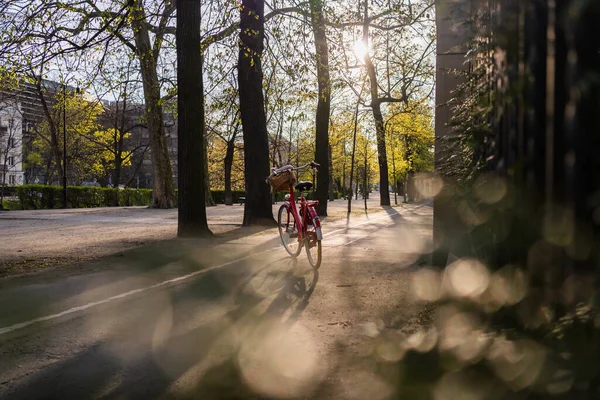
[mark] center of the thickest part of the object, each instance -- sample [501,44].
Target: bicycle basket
[283,180]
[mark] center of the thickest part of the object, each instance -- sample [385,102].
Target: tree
[254,126]
[81,118]
[112,156]
[119,118]
[323,104]
[164,192]
[379,59]
[60,29]
[411,140]
[190,118]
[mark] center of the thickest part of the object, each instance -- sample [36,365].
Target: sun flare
[360,50]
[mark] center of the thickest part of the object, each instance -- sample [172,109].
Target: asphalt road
[233,318]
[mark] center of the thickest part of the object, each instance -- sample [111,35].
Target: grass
[11,205]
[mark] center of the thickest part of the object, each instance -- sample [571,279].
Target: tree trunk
[5,155]
[381,155]
[228,166]
[379,127]
[343,187]
[394,174]
[164,192]
[208,199]
[190,122]
[353,155]
[258,207]
[50,118]
[323,104]
[117,177]
[331,186]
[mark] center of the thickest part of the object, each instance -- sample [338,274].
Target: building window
[11,143]
[11,161]
[11,179]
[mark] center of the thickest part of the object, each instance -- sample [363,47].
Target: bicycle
[298,228]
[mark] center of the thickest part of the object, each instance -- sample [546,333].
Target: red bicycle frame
[308,213]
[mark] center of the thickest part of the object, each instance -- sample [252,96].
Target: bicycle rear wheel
[313,246]
[288,231]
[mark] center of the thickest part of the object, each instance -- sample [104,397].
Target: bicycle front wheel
[288,231]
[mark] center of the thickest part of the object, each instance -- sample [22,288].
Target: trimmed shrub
[39,197]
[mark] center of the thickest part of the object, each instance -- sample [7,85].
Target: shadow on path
[143,359]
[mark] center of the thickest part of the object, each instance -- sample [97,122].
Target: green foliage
[410,139]
[85,145]
[37,197]
[10,205]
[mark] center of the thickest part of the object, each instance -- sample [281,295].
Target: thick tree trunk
[228,166]
[323,104]
[164,192]
[254,125]
[190,122]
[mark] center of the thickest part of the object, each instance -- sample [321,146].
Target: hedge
[38,197]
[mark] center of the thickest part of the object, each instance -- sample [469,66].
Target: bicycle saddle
[303,186]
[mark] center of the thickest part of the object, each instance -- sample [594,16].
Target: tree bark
[228,161]
[331,185]
[50,118]
[353,155]
[378,116]
[164,192]
[323,104]
[258,207]
[190,122]
[208,199]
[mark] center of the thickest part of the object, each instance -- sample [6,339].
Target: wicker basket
[283,180]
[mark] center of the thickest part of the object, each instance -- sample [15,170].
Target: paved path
[43,239]
[233,318]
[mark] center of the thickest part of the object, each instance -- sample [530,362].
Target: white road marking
[72,310]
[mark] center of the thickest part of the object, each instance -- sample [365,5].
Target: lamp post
[64,146]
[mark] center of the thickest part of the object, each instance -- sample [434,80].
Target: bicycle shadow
[289,294]
[291,284]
